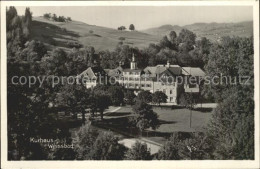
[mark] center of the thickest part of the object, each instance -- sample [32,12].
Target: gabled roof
[154,71]
[114,72]
[193,71]
[132,70]
[92,72]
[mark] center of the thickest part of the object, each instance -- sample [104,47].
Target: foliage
[75,98]
[34,51]
[102,102]
[121,38]
[159,97]
[130,97]
[186,40]
[144,117]
[106,147]
[187,100]
[116,94]
[56,18]
[121,28]
[83,141]
[231,129]
[131,27]
[144,96]
[138,151]
[169,151]
[195,147]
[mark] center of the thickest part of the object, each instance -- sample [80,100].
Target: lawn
[179,120]
[171,121]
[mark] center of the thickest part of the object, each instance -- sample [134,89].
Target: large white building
[170,79]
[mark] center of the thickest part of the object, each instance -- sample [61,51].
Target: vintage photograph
[130,82]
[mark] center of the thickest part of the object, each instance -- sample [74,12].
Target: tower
[133,62]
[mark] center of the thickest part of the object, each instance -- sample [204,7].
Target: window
[164,91]
[142,85]
[148,85]
[171,99]
[170,91]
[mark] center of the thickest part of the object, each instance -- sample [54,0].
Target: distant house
[93,76]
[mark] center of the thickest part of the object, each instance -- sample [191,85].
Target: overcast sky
[147,17]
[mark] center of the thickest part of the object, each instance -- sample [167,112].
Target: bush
[138,151]
[71,44]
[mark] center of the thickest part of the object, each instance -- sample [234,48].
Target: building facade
[170,79]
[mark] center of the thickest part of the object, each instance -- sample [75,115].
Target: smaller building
[193,77]
[93,76]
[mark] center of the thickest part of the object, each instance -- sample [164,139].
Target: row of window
[165,91]
[132,73]
[137,85]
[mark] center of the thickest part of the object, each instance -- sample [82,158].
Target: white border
[126,164]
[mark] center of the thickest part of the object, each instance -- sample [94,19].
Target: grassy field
[171,121]
[101,38]
[179,120]
[57,34]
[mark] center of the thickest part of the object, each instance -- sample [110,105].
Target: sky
[144,17]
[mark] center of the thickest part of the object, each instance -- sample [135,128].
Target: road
[129,142]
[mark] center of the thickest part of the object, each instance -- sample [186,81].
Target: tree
[129,97]
[187,100]
[34,51]
[83,141]
[173,39]
[165,43]
[54,17]
[106,147]
[138,151]
[144,117]
[47,15]
[169,150]
[186,40]
[56,63]
[116,94]
[74,98]
[68,19]
[196,146]
[102,102]
[144,96]
[159,97]
[231,128]
[121,28]
[132,27]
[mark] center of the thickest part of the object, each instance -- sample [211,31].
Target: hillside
[63,34]
[212,31]
[101,38]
